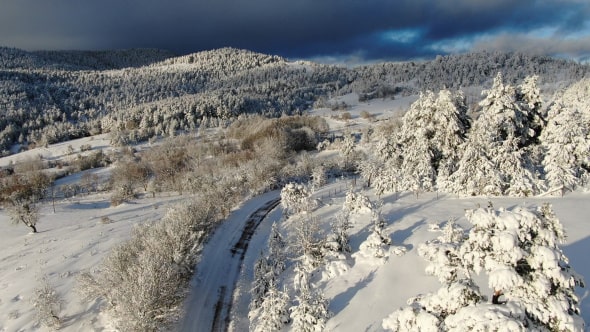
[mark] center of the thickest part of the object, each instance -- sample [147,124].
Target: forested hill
[11,58]
[50,96]
[465,70]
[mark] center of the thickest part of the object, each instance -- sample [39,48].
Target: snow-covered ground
[75,238]
[361,297]
[212,286]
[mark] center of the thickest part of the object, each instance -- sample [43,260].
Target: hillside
[188,154]
[48,97]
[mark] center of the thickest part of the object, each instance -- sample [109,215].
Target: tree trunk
[33,228]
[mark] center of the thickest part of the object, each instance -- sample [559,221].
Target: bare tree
[20,194]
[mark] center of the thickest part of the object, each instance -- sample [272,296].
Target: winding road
[208,305]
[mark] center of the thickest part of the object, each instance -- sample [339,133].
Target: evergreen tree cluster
[511,146]
[519,252]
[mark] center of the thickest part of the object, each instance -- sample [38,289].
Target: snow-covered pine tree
[276,250]
[347,149]
[318,176]
[528,95]
[274,311]
[515,168]
[431,312]
[427,142]
[370,168]
[519,251]
[496,137]
[387,180]
[307,241]
[451,121]
[428,312]
[295,198]
[263,277]
[387,154]
[443,254]
[417,170]
[311,313]
[357,203]
[339,241]
[378,243]
[476,174]
[566,147]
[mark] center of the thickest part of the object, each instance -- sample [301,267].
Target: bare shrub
[142,281]
[345,116]
[366,115]
[48,305]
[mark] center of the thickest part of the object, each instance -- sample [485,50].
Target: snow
[362,291]
[360,296]
[59,150]
[72,239]
[368,290]
[218,269]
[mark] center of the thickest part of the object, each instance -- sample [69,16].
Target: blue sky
[325,30]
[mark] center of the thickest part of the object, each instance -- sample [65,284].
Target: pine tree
[517,179]
[443,254]
[311,312]
[476,174]
[263,277]
[318,176]
[274,312]
[566,148]
[308,241]
[339,241]
[452,122]
[417,170]
[295,198]
[276,251]
[427,143]
[528,95]
[387,154]
[428,312]
[519,251]
[347,149]
[493,150]
[378,242]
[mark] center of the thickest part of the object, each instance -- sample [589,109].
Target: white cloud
[576,48]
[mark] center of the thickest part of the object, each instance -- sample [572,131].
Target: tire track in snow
[208,306]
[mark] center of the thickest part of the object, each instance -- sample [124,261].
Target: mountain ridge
[51,96]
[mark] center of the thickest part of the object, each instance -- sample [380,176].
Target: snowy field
[361,297]
[83,229]
[74,239]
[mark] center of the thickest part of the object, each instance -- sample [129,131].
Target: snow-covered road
[209,302]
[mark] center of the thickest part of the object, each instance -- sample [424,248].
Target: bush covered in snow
[296,198]
[357,203]
[519,252]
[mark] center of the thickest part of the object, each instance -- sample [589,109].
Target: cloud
[374,29]
[578,48]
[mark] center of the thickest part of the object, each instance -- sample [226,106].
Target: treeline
[47,97]
[460,71]
[511,144]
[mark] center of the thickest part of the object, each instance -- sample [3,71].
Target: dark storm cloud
[297,28]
